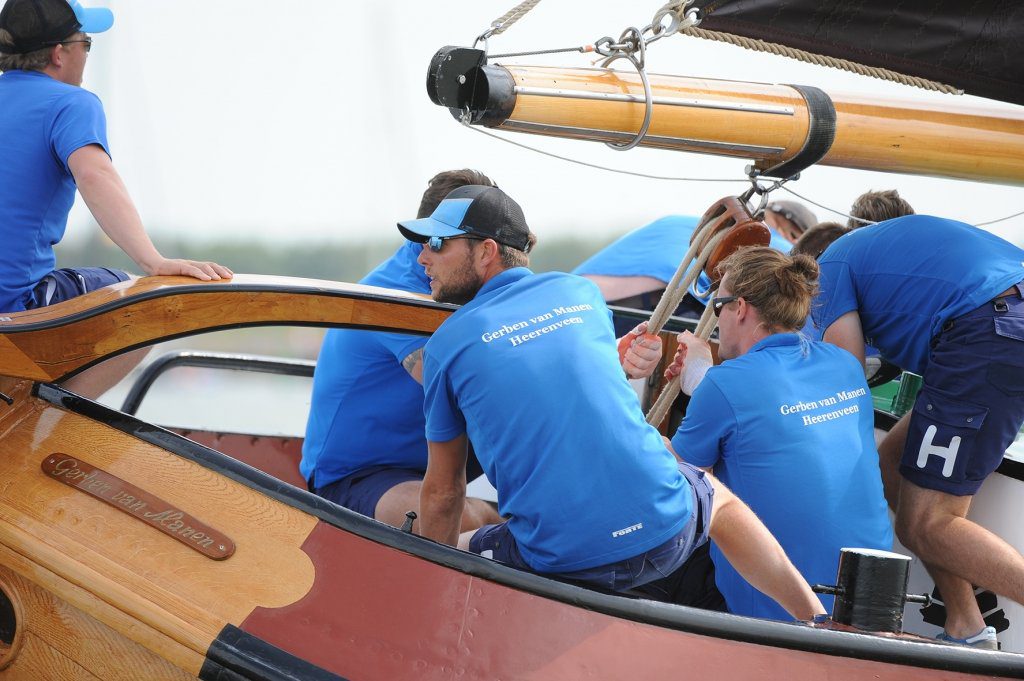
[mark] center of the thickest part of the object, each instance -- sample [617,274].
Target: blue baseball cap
[473,209]
[35,24]
[92,19]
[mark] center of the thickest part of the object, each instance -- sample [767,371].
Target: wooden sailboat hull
[766,123]
[312,590]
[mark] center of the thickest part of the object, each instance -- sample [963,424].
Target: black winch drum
[871,589]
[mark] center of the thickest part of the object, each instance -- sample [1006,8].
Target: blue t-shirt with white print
[789,428]
[529,370]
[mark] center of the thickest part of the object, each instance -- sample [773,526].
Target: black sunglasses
[87,41]
[718,303]
[436,243]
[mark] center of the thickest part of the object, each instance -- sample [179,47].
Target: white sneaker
[984,640]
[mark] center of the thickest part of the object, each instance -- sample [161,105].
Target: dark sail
[972,46]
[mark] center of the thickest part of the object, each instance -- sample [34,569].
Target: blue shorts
[497,542]
[361,491]
[71,282]
[971,405]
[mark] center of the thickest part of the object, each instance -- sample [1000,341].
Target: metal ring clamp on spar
[630,42]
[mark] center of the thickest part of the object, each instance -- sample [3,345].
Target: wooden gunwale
[53,343]
[768,123]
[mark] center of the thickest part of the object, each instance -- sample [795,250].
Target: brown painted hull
[312,590]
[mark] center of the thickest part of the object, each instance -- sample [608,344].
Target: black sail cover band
[821,132]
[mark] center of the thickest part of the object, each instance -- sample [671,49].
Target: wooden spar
[766,123]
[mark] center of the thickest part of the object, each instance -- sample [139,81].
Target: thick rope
[505,21]
[670,300]
[820,60]
[659,410]
[707,324]
[685,275]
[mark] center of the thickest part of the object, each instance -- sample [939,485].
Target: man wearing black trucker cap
[53,139]
[528,372]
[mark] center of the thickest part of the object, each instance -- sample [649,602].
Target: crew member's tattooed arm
[413,363]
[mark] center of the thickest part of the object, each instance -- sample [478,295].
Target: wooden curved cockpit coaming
[53,343]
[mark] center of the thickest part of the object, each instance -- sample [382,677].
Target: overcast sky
[309,120]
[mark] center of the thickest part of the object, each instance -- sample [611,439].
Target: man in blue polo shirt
[53,139]
[942,299]
[634,270]
[364,447]
[787,424]
[527,371]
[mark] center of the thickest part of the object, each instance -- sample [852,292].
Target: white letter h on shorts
[947,453]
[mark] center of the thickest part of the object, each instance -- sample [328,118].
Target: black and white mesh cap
[473,209]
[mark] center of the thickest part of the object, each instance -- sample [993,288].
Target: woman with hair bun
[786,423]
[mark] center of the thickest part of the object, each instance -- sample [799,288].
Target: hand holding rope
[726,227]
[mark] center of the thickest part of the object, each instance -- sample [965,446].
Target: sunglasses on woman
[718,303]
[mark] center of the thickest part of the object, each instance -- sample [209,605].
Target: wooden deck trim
[54,343]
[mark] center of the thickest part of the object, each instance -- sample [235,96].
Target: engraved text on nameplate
[137,502]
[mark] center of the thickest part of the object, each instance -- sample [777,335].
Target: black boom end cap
[447,75]
[459,79]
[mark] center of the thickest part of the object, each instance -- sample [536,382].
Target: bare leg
[963,618]
[890,451]
[95,381]
[757,556]
[934,526]
[405,497]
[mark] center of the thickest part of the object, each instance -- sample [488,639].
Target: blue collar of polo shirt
[16,73]
[777,340]
[504,279]
[495,284]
